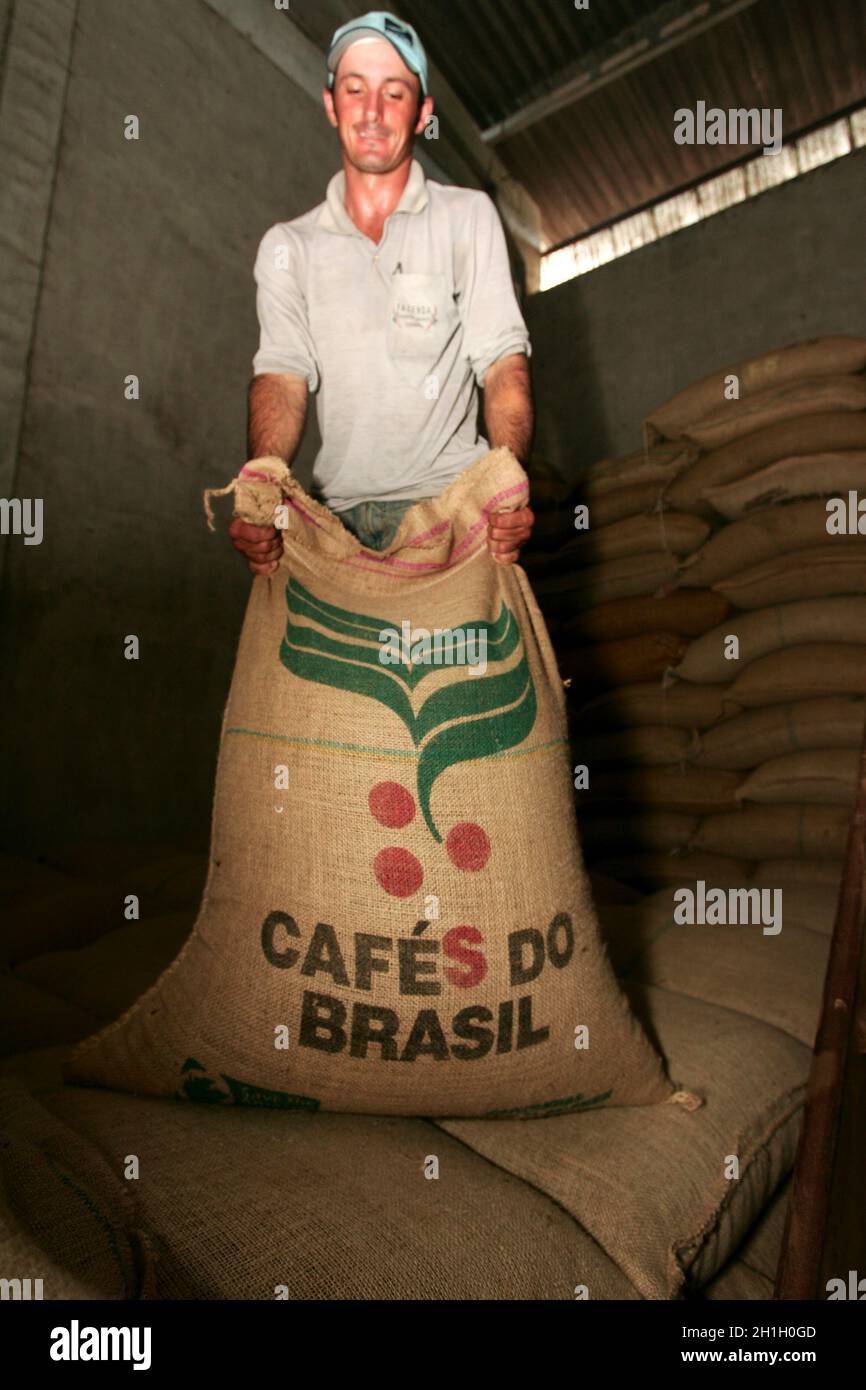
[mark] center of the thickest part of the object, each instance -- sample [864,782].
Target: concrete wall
[609,346]
[146,269]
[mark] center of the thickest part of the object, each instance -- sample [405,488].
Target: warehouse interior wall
[611,345]
[133,259]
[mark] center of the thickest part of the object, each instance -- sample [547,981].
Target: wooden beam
[825,1229]
[666,28]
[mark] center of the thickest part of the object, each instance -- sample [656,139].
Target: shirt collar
[335,218]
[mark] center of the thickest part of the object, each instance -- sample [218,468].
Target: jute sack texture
[687,614]
[822,776]
[811,475]
[582,588]
[766,461]
[685,705]
[652,745]
[776,832]
[809,873]
[802,673]
[749,738]
[750,541]
[814,358]
[634,535]
[397,918]
[764,630]
[650,829]
[655,1197]
[829,570]
[659,465]
[689,790]
[656,870]
[812,395]
[66,1215]
[751,1274]
[229,1200]
[806,434]
[777,978]
[624,662]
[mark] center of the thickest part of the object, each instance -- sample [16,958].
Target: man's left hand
[507,532]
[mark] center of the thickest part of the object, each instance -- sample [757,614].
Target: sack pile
[717,688]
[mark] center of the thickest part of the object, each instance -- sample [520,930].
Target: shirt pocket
[422,318]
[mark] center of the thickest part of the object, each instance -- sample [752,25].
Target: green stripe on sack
[549,1107]
[485,714]
[408,754]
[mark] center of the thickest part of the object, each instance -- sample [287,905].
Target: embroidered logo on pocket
[416,315]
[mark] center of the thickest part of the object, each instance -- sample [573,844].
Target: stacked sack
[734,762]
[603,561]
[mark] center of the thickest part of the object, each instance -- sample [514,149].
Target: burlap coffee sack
[29,1272]
[681,705]
[779,404]
[791,363]
[809,475]
[397,918]
[234,1206]
[688,613]
[804,434]
[771,730]
[817,776]
[764,630]
[661,1199]
[798,831]
[753,539]
[805,672]
[777,978]
[66,1209]
[753,1270]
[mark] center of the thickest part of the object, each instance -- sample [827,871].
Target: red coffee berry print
[398,871]
[391,804]
[468,846]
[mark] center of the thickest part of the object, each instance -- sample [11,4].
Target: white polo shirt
[393,339]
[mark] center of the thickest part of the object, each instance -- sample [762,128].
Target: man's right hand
[262,545]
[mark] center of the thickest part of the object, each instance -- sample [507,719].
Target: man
[393,300]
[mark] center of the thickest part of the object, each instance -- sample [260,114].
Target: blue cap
[381,25]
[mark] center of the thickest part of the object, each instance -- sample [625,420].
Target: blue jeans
[375,523]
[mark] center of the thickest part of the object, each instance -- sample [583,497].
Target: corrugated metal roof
[612,151]
[499,54]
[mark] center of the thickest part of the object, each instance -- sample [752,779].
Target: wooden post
[825,1229]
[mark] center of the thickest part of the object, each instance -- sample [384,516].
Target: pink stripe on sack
[372,562]
[428,535]
[247,472]
[308,516]
[508,492]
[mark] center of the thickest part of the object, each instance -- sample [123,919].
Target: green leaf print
[484,714]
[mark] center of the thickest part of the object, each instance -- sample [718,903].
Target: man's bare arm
[277,411]
[508,421]
[508,409]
